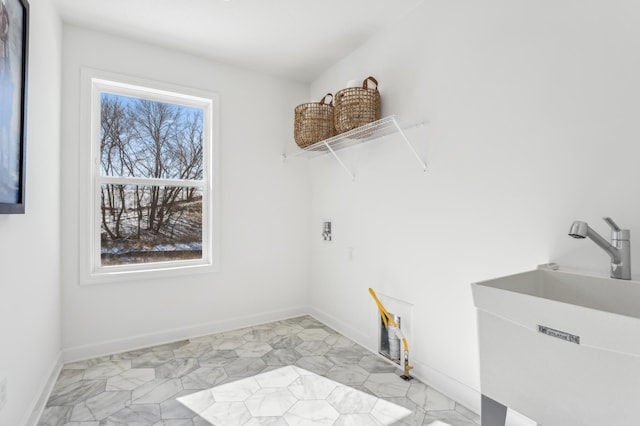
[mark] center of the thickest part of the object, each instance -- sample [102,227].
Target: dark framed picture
[14,52]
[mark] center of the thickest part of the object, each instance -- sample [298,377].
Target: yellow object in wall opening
[388,320]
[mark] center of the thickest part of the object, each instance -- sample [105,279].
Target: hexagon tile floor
[287,373]
[291,396]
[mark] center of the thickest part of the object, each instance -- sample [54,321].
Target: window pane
[143,138]
[145,224]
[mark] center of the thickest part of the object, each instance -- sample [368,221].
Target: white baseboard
[443,383]
[447,385]
[32,417]
[516,419]
[461,393]
[340,326]
[79,353]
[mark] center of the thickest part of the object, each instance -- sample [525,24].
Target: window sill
[162,271]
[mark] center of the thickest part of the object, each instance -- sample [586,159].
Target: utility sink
[600,293]
[560,347]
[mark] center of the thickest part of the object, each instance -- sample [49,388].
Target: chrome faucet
[619,249]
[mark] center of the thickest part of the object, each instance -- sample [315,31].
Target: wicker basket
[314,122]
[357,106]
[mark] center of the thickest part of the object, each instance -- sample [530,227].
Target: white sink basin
[604,294]
[560,347]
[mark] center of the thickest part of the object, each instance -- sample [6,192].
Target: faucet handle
[617,234]
[612,224]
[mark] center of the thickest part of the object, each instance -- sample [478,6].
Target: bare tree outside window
[145,140]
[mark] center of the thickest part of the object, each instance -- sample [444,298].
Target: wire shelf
[374,130]
[368,132]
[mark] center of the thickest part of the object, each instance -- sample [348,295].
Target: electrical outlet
[3,392]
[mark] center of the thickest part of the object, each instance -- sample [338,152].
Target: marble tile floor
[176,384]
[291,396]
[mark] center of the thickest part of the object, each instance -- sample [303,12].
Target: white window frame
[95,82]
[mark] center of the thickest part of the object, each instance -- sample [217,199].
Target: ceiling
[296,39]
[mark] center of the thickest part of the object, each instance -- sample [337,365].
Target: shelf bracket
[346,169]
[413,150]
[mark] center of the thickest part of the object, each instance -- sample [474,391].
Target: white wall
[30,243]
[532,111]
[264,208]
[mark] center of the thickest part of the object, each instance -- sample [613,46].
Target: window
[151,195]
